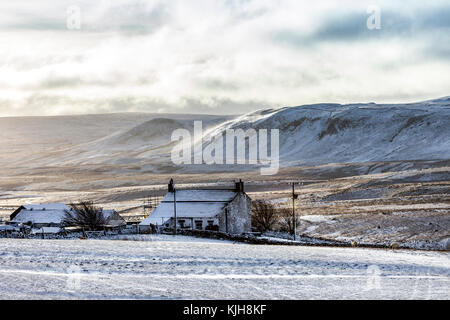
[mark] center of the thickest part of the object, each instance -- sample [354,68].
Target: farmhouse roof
[191,204]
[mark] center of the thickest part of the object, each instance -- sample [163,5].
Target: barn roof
[113,218]
[41,213]
[108,214]
[191,204]
[53,213]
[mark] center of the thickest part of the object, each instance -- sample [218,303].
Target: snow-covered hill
[334,133]
[309,135]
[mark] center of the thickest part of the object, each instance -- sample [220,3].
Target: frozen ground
[187,268]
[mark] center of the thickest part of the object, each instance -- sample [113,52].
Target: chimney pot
[171,186]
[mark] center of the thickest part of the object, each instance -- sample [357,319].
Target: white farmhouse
[224,210]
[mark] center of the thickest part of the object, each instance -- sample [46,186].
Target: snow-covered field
[186,268]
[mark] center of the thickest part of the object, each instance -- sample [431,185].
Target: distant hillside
[309,135]
[334,133]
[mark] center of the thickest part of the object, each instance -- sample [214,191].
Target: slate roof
[41,213]
[54,213]
[191,204]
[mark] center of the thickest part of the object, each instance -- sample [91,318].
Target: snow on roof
[42,213]
[184,210]
[107,214]
[50,213]
[201,195]
[47,206]
[191,204]
[113,218]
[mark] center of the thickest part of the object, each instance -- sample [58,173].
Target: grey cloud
[351,26]
[45,104]
[267,70]
[132,18]
[437,49]
[224,106]
[215,105]
[56,83]
[72,82]
[40,25]
[437,18]
[214,83]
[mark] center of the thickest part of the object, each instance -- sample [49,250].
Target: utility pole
[294,197]
[175,210]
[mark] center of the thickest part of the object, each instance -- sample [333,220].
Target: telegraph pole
[294,219]
[175,210]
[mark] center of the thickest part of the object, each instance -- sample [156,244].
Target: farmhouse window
[198,224]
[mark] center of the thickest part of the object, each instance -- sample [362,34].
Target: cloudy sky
[217,56]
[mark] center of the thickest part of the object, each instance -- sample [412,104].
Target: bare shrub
[264,215]
[84,214]
[286,220]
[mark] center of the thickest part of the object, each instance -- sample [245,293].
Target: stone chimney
[239,186]
[171,186]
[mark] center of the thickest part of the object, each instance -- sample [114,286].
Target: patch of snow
[318,218]
[46,230]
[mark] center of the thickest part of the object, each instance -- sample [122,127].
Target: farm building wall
[236,218]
